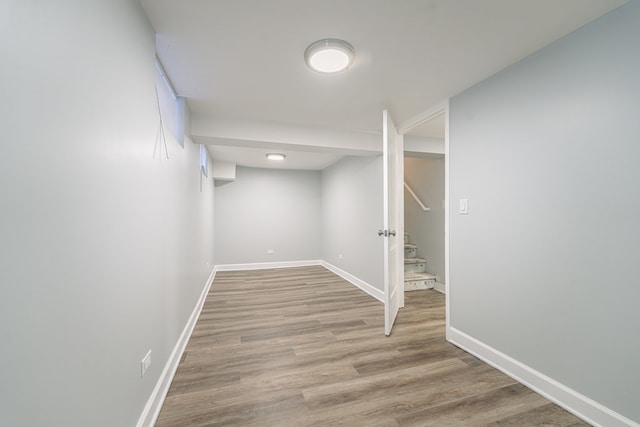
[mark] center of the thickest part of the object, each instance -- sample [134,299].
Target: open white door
[393,232]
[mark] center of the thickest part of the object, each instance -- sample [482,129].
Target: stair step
[417,281]
[410,251]
[415,265]
[419,276]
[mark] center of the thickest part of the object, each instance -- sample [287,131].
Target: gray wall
[544,267]
[304,215]
[425,176]
[103,249]
[266,209]
[351,217]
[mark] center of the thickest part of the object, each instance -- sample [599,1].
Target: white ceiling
[241,61]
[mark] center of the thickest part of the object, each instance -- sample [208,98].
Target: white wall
[544,267]
[425,176]
[268,209]
[351,217]
[103,250]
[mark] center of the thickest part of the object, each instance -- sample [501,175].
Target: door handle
[384,233]
[392,233]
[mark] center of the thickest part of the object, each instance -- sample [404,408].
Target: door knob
[382,233]
[392,232]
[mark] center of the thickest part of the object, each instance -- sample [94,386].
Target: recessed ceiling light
[276,156]
[329,55]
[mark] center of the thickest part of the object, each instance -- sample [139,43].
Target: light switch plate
[464,206]
[145,363]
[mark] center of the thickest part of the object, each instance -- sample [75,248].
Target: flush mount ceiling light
[329,55]
[276,156]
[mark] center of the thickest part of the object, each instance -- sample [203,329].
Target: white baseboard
[154,404]
[371,290]
[267,265]
[583,407]
[440,287]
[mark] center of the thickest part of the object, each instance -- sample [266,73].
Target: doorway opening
[424,196]
[426,212]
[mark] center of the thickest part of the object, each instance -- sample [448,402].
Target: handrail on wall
[418,201]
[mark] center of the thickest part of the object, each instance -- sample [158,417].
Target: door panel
[393,233]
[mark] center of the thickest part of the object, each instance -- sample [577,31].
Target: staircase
[415,275]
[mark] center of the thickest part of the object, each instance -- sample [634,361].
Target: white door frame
[403,129]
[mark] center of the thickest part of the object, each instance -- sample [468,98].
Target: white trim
[447,219]
[366,287]
[152,409]
[440,287]
[583,407]
[371,290]
[154,404]
[266,265]
[403,128]
[418,119]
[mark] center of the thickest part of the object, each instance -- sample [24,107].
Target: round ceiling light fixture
[329,55]
[276,156]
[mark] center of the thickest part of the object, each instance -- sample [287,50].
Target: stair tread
[418,276]
[414,260]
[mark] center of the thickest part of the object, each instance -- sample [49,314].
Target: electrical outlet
[145,363]
[270,251]
[339,256]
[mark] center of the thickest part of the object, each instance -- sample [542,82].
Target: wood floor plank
[302,347]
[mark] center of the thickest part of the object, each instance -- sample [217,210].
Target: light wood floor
[302,347]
